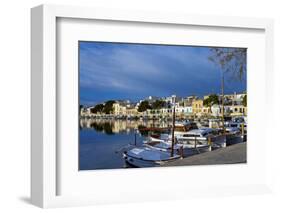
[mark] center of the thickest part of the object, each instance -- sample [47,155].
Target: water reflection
[101,140]
[114,126]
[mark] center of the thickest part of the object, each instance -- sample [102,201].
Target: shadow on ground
[26,200]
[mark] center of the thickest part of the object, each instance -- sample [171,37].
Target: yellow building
[119,109]
[131,111]
[197,106]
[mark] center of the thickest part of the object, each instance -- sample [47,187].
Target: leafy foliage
[97,108]
[211,100]
[144,105]
[158,104]
[230,60]
[108,107]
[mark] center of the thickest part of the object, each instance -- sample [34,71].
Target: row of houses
[184,107]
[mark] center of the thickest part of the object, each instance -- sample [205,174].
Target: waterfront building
[119,109]
[233,99]
[206,110]
[183,111]
[187,101]
[84,112]
[197,106]
[216,110]
[131,111]
[166,112]
[238,110]
[172,99]
[184,107]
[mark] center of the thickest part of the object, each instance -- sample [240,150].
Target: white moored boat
[201,136]
[191,142]
[195,138]
[148,157]
[162,145]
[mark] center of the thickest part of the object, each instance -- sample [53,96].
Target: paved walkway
[231,154]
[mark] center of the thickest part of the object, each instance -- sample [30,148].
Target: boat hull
[187,149]
[141,163]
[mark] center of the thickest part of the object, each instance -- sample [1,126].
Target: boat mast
[173,130]
[222,101]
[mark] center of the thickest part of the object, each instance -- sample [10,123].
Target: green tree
[211,100]
[244,101]
[108,107]
[158,104]
[144,105]
[97,108]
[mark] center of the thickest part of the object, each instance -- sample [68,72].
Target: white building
[181,110]
[172,99]
[217,110]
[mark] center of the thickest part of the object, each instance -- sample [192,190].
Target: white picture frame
[44,154]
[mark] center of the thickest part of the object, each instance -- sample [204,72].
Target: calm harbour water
[101,141]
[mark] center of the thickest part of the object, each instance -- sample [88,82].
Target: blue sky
[134,71]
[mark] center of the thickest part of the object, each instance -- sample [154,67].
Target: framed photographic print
[151,106]
[124,125]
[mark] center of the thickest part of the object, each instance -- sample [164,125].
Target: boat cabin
[184,127]
[200,133]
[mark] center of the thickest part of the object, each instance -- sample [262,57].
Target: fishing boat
[191,142]
[162,145]
[205,139]
[200,135]
[152,156]
[180,128]
[148,157]
[184,126]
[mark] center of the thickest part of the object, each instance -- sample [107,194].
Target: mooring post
[210,143]
[242,131]
[181,152]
